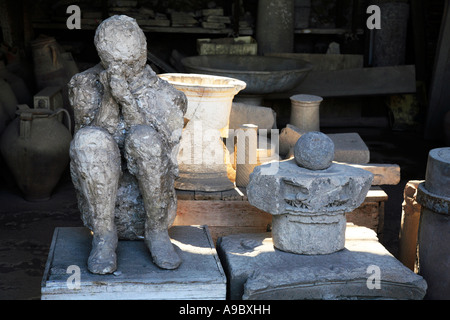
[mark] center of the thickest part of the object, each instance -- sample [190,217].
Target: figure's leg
[148,159]
[95,170]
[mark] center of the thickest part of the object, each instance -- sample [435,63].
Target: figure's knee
[143,142]
[144,152]
[93,143]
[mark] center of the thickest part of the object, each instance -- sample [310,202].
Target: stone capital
[298,191]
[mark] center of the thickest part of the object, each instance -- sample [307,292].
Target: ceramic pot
[8,99]
[4,118]
[17,84]
[35,147]
[433,241]
[305,112]
[49,66]
[447,129]
[204,161]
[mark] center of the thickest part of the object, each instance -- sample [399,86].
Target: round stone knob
[314,151]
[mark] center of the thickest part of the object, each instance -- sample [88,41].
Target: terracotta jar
[4,118]
[17,85]
[8,99]
[203,159]
[48,63]
[35,147]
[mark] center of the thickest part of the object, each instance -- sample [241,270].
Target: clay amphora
[35,147]
[17,84]
[8,99]
[48,63]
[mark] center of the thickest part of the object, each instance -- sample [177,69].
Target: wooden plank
[367,215]
[356,82]
[220,213]
[232,217]
[439,102]
[376,194]
[384,174]
[203,195]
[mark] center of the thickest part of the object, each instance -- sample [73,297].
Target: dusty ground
[26,228]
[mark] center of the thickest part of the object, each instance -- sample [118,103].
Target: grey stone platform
[200,276]
[257,271]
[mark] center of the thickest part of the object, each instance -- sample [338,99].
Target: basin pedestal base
[363,270]
[196,178]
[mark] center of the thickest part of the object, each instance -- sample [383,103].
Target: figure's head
[119,39]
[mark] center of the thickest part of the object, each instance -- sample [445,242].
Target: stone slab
[356,82]
[242,113]
[348,147]
[383,173]
[255,270]
[200,275]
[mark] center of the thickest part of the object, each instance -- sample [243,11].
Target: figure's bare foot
[102,259]
[162,249]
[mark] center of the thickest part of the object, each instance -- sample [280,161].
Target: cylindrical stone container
[275,26]
[434,227]
[246,153]
[305,112]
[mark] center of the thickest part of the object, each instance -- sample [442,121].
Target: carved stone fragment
[309,206]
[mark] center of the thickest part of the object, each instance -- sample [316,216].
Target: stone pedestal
[434,228]
[275,26]
[390,41]
[305,112]
[363,270]
[407,249]
[200,275]
[246,153]
[309,196]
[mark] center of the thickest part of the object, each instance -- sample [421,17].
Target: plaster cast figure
[128,124]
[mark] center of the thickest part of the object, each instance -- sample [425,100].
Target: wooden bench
[229,212]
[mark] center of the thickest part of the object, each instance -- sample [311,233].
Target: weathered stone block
[200,276]
[309,207]
[434,236]
[300,191]
[348,147]
[409,225]
[242,113]
[364,270]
